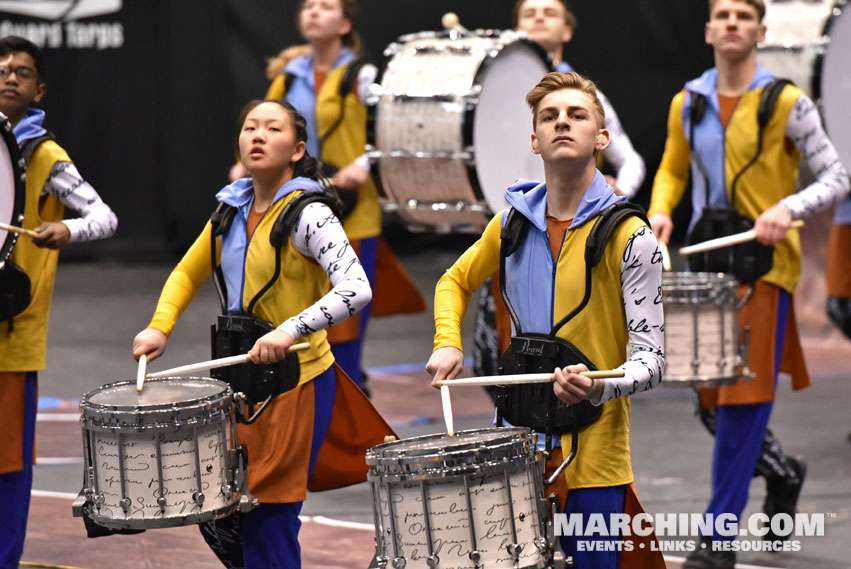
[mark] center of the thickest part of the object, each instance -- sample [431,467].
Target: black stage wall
[144,94]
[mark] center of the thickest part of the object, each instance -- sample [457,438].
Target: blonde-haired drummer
[721,147]
[623,315]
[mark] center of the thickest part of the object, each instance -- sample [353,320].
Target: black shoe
[706,558]
[782,493]
[363,387]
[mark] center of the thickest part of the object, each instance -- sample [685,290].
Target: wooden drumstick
[19,230]
[221,362]
[728,241]
[447,409]
[140,373]
[666,256]
[521,378]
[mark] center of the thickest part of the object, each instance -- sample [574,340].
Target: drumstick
[522,378]
[447,409]
[728,240]
[666,256]
[16,229]
[221,362]
[140,373]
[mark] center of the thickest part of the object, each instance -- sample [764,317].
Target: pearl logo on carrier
[62,28]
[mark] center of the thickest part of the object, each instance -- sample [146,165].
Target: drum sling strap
[536,405]
[750,260]
[236,334]
[348,199]
[15,285]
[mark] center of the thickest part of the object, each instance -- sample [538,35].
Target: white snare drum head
[836,84]
[156,393]
[503,126]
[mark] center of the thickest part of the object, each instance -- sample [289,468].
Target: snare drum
[12,189]
[702,347]
[474,499]
[450,126]
[161,458]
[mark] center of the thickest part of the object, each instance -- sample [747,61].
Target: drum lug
[514,550]
[161,503]
[198,498]
[432,561]
[475,557]
[541,544]
[125,504]
[399,563]
[78,507]
[247,502]
[379,562]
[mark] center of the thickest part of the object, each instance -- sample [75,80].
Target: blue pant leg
[587,501]
[15,487]
[349,354]
[270,531]
[739,434]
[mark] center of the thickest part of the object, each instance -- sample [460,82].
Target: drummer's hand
[237,171]
[572,388]
[350,177]
[52,235]
[772,224]
[614,184]
[149,342]
[271,347]
[662,226]
[445,363]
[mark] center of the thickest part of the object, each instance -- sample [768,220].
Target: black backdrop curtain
[144,94]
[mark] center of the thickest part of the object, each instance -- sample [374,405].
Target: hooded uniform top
[347,141]
[621,327]
[52,183]
[770,180]
[299,301]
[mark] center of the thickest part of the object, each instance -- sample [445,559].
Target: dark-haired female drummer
[294,444]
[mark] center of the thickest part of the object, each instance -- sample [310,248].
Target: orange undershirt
[556,228]
[253,221]
[726,106]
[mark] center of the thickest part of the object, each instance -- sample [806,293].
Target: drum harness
[15,284]
[348,198]
[234,334]
[536,405]
[747,261]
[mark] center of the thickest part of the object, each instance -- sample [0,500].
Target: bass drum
[833,80]
[794,38]
[12,190]
[450,127]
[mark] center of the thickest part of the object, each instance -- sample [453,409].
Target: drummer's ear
[40,91]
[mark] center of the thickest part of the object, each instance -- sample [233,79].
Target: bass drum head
[503,124]
[11,187]
[835,82]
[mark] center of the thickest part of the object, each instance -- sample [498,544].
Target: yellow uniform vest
[301,283]
[25,347]
[765,183]
[599,331]
[343,146]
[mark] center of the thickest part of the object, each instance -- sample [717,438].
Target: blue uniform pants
[739,434]
[587,501]
[15,487]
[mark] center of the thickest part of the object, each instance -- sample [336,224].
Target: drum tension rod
[514,549]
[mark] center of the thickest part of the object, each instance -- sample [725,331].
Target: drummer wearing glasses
[544,283]
[740,169]
[53,183]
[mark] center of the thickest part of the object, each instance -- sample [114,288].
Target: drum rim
[87,404]
[164,522]
[505,432]
[19,172]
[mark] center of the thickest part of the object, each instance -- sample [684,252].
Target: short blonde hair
[556,81]
[759,5]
